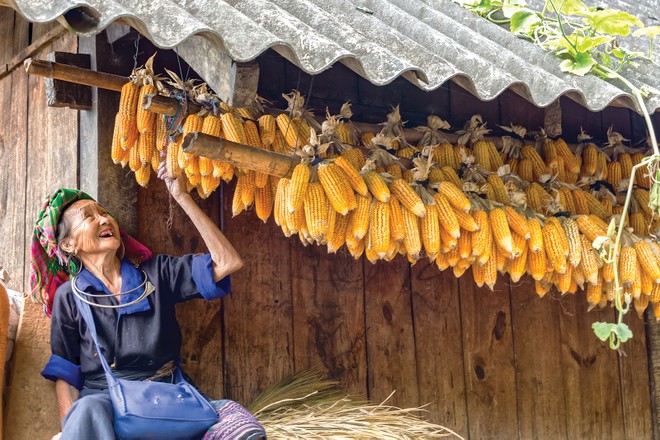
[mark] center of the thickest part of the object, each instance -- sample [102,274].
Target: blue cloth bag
[153,410]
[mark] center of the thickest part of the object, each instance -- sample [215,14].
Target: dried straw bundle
[308,406]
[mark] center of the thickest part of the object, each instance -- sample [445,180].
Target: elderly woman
[132,294]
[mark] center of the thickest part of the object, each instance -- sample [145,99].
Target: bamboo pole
[78,75]
[240,155]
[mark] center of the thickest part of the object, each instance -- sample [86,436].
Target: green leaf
[580,66]
[510,7]
[602,330]
[651,32]
[611,228]
[585,44]
[572,7]
[622,331]
[606,58]
[619,53]
[524,22]
[613,22]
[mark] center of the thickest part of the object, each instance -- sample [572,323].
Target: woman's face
[93,231]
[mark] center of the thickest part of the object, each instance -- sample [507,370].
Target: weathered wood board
[328,315]
[438,346]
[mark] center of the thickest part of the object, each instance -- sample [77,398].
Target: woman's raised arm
[226,259]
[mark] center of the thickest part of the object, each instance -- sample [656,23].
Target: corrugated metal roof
[426,41]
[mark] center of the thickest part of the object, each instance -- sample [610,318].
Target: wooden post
[75,74]
[240,155]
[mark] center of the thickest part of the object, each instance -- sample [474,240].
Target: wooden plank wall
[39,149]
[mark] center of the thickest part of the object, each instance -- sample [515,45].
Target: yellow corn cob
[519,242]
[537,198]
[430,230]
[436,175]
[614,174]
[499,191]
[447,241]
[518,265]
[465,245]
[625,160]
[563,281]
[172,159]
[366,138]
[490,268]
[451,176]
[279,208]
[589,261]
[535,235]
[142,175]
[590,227]
[355,157]
[601,166]
[447,215]
[573,235]
[336,188]
[477,274]
[379,227]
[461,267]
[145,118]
[628,266]
[210,183]
[466,221]
[359,225]
[397,229]
[608,272]
[556,246]
[155,161]
[641,303]
[647,260]
[549,151]
[642,177]
[481,239]
[655,294]
[205,166]
[571,162]
[338,237]
[134,158]
[116,151]
[267,130]
[292,132]
[355,179]
[212,125]
[298,187]
[128,103]
[394,169]
[346,134]
[407,152]
[525,170]
[316,211]
[295,220]
[538,166]
[501,230]
[638,223]
[412,240]
[606,203]
[646,282]
[536,262]
[517,222]
[566,200]
[482,155]
[407,176]
[452,256]
[595,292]
[589,160]
[161,133]
[377,186]
[642,197]
[232,128]
[237,205]
[247,194]
[455,196]
[146,146]
[408,197]
[332,221]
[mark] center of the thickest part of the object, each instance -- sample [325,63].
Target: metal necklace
[148,290]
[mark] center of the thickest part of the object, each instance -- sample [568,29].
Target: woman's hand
[176,186]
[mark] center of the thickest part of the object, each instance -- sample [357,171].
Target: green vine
[586,40]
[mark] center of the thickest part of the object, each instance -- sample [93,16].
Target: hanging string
[137,51]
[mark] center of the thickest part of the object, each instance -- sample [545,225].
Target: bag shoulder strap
[86,313]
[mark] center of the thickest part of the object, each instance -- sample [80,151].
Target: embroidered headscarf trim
[49,266]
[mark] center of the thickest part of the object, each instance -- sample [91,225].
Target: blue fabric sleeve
[60,368]
[202,274]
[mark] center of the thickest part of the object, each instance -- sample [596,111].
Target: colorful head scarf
[49,266]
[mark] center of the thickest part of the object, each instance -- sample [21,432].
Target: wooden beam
[75,74]
[67,94]
[42,42]
[240,155]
